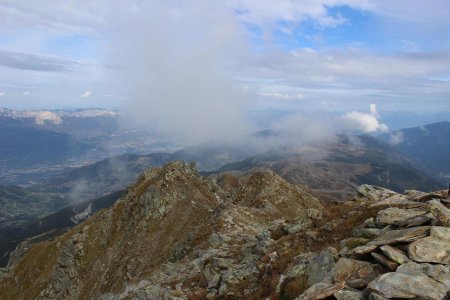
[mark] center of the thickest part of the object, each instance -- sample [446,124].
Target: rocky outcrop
[409,249]
[203,235]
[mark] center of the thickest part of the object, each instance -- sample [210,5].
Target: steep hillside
[178,235]
[38,229]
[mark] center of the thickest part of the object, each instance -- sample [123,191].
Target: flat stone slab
[421,220]
[431,250]
[393,215]
[397,200]
[395,254]
[385,261]
[406,286]
[391,237]
[401,235]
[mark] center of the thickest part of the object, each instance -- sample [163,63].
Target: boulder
[406,286]
[321,291]
[440,273]
[348,270]
[385,261]
[393,215]
[375,192]
[440,212]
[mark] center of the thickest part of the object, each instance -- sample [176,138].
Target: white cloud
[2,94]
[86,94]
[180,71]
[362,121]
[25,93]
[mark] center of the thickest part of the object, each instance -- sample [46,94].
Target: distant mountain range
[37,144]
[428,146]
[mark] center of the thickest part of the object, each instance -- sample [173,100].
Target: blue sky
[288,54]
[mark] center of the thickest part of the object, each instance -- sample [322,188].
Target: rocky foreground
[178,235]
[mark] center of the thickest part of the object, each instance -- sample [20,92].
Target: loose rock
[395,254]
[385,261]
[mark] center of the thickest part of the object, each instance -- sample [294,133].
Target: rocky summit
[178,235]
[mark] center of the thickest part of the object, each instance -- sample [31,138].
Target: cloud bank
[177,61]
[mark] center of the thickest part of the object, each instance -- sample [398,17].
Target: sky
[153,57]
